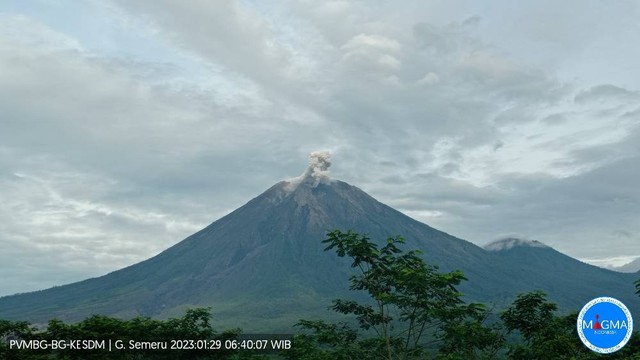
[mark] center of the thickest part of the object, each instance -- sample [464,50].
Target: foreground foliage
[410,310]
[417,313]
[195,324]
[413,309]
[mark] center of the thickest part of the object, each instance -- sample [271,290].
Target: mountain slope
[566,279]
[263,266]
[269,249]
[631,267]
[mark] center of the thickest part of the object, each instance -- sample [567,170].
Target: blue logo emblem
[605,325]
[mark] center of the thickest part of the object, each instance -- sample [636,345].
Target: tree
[543,333]
[10,330]
[328,342]
[194,325]
[470,338]
[412,306]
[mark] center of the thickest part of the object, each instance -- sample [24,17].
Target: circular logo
[605,325]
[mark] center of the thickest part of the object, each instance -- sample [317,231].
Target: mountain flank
[263,267]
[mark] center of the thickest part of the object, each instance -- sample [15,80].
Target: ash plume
[316,173]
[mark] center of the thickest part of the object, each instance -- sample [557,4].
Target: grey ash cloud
[121,136]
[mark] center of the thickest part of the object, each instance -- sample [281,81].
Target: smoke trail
[319,163]
[316,173]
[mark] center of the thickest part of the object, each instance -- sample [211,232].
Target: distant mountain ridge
[564,277]
[509,243]
[263,265]
[630,267]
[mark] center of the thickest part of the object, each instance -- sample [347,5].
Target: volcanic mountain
[263,266]
[566,279]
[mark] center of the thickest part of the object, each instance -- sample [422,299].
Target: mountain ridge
[264,263]
[508,243]
[630,267]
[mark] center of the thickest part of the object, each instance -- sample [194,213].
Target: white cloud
[429,78]
[376,42]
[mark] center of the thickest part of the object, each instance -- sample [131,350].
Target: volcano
[263,266]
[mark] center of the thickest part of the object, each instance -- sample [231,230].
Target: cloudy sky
[127,125]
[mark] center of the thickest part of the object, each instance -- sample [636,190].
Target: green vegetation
[194,324]
[410,310]
[417,313]
[412,307]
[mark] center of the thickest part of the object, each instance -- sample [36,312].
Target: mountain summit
[510,243]
[263,266]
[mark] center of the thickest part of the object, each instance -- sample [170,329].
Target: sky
[126,126]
